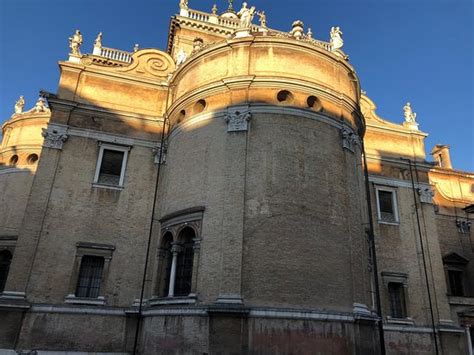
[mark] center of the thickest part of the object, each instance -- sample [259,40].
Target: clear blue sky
[403,50]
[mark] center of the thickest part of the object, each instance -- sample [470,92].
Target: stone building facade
[236,193]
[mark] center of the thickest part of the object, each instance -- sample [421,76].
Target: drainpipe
[433,326]
[373,255]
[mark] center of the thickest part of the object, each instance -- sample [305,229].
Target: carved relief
[54,137]
[237,121]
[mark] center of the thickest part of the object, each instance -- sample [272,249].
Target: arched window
[184,267]
[5,261]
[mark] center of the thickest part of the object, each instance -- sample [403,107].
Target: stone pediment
[454,258]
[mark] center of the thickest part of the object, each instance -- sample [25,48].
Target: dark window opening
[397,300]
[90,277]
[184,267]
[456,286]
[110,167]
[387,212]
[5,261]
[167,261]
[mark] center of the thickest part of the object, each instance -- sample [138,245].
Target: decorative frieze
[54,138]
[237,120]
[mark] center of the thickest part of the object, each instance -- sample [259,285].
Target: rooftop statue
[183,4]
[40,106]
[336,38]
[98,40]
[410,116]
[246,15]
[75,43]
[181,57]
[19,105]
[214,9]
[263,18]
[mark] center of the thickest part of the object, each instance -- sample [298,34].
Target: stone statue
[181,57]
[75,43]
[214,9]
[246,15]
[136,47]
[19,105]
[310,33]
[336,38]
[262,18]
[40,106]
[183,4]
[98,41]
[410,116]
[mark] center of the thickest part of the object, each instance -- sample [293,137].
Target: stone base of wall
[210,330]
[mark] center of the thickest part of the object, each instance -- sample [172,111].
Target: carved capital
[426,194]
[237,120]
[196,244]
[159,155]
[176,248]
[349,139]
[54,138]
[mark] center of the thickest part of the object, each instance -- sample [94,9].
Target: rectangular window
[110,170]
[456,286]
[387,205]
[396,293]
[90,277]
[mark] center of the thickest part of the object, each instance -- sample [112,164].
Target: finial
[231,7]
[310,33]
[98,41]
[214,9]
[136,47]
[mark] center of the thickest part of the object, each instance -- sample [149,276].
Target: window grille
[397,300]
[90,277]
[5,261]
[111,167]
[184,270]
[387,211]
[456,284]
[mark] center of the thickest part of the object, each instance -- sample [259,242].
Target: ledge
[400,321]
[107,187]
[171,301]
[461,301]
[71,299]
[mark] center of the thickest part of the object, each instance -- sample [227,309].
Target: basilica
[233,193]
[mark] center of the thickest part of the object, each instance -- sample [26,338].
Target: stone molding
[383,181]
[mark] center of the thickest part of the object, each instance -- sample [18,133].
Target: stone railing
[198,15]
[115,54]
[234,24]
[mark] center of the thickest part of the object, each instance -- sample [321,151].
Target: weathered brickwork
[232,168]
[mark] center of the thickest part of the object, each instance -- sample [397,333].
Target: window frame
[396,215]
[90,249]
[402,302]
[118,148]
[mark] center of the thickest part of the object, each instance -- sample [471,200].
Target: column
[175,249]
[469,340]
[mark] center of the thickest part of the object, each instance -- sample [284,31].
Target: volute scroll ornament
[151,63]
